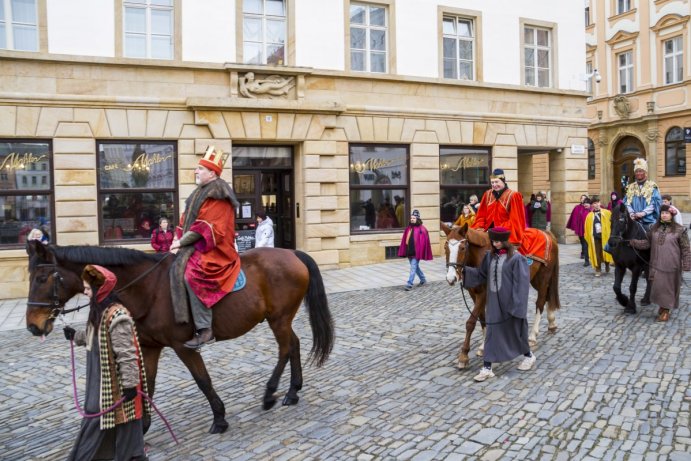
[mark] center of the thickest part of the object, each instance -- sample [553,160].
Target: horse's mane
[108,256]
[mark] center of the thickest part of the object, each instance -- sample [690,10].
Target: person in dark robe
[507,276]
[669,256]
[113,357]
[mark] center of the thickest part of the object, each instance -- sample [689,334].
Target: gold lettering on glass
[15,161]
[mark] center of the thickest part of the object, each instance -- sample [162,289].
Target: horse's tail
[553,302]
[318,308]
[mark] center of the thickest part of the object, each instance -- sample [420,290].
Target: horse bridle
[465,247]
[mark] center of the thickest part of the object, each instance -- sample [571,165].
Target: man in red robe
[206,240]
[501,207]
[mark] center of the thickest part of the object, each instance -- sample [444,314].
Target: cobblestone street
[606,386]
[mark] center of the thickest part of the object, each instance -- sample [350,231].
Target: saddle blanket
[240,282]
[536,245]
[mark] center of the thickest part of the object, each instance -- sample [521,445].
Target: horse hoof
[463,363]
[287,400]
[552,329]
[630,310]
[480,352]
[218,428]
[645,302]
[269,404]
[532,343]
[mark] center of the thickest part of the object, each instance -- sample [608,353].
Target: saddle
[536,245]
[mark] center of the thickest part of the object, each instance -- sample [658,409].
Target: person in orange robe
[207,242]
[502,207]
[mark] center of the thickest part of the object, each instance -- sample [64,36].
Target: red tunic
[215,265]
[507,211]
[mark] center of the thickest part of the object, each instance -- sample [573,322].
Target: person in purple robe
[576,223]
[415,245]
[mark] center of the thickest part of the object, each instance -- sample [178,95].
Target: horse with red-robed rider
[503,207]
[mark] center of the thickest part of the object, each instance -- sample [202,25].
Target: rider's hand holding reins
[69,333]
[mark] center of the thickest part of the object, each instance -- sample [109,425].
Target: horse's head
[455,248]
[620,221]
[50,287]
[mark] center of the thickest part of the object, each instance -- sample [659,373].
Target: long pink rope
[116,404]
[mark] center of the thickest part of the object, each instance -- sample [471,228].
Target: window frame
[390,61]
[457,60]
[552,29]
[679,152]
[677,57]
[628,69]
[176,30]
[463,187]
[264,18]
[10,24]
[173,218]
[49,192]
[592,164]
[392,187]
[623,6]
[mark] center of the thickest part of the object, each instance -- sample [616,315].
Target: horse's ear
[445,228]
[34,247]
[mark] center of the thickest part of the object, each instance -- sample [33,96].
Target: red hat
[499,234]
[100,279]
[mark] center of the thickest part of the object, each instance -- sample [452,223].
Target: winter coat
[161,240]
[423,247]
[538,218]
[264,235]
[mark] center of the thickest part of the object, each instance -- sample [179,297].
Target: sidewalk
[387,274]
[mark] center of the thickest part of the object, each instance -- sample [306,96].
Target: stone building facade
[328,150]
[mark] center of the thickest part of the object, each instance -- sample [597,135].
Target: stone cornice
[669,20]
[621,36]
[266,105]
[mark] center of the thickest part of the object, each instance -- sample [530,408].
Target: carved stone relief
[622,106]
[270,86]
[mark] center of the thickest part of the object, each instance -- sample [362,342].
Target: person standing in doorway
[416,246]
[264,234]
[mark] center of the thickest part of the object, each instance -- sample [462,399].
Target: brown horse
[468,247]
[277,282]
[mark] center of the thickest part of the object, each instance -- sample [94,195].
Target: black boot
[203,337]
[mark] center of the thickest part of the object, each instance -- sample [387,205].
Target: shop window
[25,204]
[136,187]
[378,188]
[591,159]
[675,152]
[463,172]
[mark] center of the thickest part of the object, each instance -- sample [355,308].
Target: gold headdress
[214,159]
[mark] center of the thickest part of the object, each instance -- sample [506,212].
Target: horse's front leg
[619,272]
[477,313]
[631,306]
[645,300]
[151,357]
[195,364]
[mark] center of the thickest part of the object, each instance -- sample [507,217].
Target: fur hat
[640,164]
[499,234]
[415,213]
[214,159]
[665,208]
[100,279]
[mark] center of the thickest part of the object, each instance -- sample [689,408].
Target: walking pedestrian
[162,236]
[597,229]
[114,369]
[415,245]
[264,234]
[507,276]
[576,223]
[669,256]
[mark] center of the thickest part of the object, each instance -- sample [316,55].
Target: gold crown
[214,159]
[640,164]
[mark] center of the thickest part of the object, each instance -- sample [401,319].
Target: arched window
[591,159]
[675,152]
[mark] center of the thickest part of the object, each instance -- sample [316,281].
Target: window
[675,152]
[463,171]
[673,53]
[625,61]
[136,187]
[18,25]
[459,48]
[587,16]
[623,6]
[24,207]
[378,187]
[591,159]
[148,29]
[537,58]
[368,37]
[589,80]
[264,32]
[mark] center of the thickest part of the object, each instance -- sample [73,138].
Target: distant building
[641,106]
[329,108]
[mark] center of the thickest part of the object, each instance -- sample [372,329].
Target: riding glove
[130,393]
[69,333]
